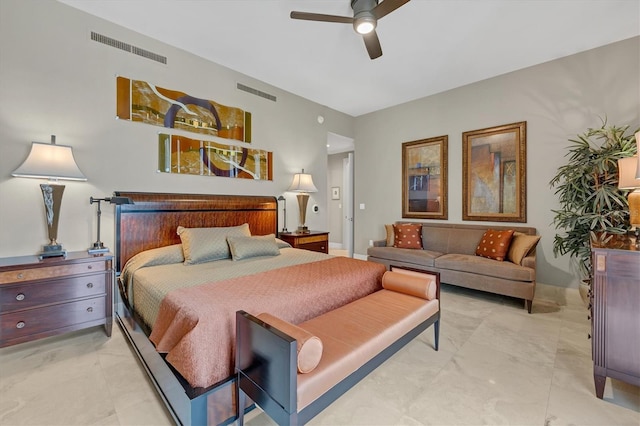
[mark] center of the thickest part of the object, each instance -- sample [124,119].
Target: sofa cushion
[494,244]
[464,241]
[521,246]
[408,236]
[417,257]
[435,239]
[390,235]
[484,266]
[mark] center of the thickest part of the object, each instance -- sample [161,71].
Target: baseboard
[360,256]
[336,246]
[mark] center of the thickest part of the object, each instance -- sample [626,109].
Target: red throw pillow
[495,244]
[407,235]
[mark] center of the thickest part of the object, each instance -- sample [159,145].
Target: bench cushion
[355,333]
[308,346]
[413,283]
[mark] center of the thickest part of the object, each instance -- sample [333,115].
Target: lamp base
[98,247]
[52,250]
[303,230]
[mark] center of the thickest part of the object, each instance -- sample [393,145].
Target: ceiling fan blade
[372,43]
[321,17]
[386,7]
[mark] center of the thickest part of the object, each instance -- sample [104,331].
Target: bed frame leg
[241,400]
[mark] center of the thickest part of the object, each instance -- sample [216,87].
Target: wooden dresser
[615,316]
[41,298]
[314,240]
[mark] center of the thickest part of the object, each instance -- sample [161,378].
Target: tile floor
[497,365]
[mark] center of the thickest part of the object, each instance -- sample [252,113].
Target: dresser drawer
[29,295]
[311,239]
[320,246]
[31,274]
[41,320]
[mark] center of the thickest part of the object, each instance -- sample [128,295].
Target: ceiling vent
[128,48]
[256,92]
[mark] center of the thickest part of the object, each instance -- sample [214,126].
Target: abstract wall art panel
[143,102]
[182,155]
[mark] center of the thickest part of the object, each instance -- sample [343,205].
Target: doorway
[340,158]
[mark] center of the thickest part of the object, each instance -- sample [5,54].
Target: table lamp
[53,162]
[302,184]
[629,178]
[98,246]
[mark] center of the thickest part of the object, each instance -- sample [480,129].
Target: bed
[180,318]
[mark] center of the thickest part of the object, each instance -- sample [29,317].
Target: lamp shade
[302,182]
[50,161]
[628,170]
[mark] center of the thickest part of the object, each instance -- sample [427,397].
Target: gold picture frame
[494,173]
[424,178]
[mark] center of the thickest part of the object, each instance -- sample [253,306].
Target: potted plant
[591,204]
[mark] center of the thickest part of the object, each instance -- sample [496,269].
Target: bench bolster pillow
[309,347]
[411,283]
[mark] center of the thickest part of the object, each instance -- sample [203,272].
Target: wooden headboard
[152,220]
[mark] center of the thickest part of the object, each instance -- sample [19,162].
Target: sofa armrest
[529,261]
[379,243]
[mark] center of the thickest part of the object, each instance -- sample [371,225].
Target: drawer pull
[89,285]
[90,267]
[20,276]
[20,324]
[20,296]
[89,309]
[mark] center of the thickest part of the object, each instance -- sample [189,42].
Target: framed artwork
[424,178]
[181,155]
[144,102]
[335,193]
[494,177]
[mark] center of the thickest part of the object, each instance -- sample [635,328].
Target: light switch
[361,206]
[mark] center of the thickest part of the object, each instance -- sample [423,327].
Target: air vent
[256,92]
[128,48]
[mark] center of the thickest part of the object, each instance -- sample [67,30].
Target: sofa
[450,249]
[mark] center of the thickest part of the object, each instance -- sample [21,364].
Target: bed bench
[353,340]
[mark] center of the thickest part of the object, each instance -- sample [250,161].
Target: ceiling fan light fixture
[364,24]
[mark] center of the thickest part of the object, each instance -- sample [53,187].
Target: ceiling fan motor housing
[364,21]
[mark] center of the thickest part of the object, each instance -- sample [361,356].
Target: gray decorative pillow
[153,257]
[282,244]
[246,247]
[207,244]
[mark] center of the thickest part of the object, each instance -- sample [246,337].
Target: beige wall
[55,80]
[558,99]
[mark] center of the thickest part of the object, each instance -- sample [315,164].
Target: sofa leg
[529,304]
[436,332]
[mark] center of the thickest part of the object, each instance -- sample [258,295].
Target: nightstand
[41,298]
[314,240]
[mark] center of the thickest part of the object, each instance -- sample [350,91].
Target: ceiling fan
[365,18]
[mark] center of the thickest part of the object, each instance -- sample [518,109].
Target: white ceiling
[429,46]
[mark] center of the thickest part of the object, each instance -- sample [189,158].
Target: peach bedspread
[196,325]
